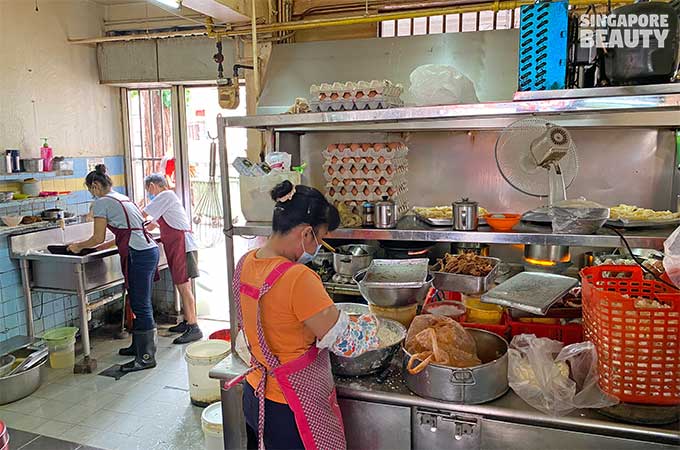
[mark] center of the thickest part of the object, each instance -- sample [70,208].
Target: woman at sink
[139,256]
[290,323]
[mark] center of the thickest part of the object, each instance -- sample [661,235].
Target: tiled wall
[54,310]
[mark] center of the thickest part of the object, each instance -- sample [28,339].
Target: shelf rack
[640,107]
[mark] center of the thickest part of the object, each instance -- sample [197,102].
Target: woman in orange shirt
[290,324]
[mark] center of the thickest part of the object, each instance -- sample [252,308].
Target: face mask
[306,257]
[151,196]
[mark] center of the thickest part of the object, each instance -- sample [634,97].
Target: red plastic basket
[638,347]
[570,333]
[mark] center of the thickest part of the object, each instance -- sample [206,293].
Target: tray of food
[467,273]
[628,216]
[396,272]
[442,216]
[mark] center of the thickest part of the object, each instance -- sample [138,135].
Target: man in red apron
[180,248]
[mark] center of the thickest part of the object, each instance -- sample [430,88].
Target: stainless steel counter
[389,416]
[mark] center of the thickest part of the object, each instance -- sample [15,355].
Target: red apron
[122,236]
[174,245]
[306,382]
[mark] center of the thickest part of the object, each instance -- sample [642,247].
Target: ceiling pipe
[240,29]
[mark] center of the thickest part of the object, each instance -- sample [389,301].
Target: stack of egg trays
[349,95]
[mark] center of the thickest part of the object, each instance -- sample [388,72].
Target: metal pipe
[26,282]
[333,22]
[84,313]
[256,62]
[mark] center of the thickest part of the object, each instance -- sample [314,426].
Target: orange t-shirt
[298,295]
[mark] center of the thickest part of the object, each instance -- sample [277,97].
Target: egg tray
[391,150]
[364,171]
[361,183]
[377,194]
[367,188]
[342,88]
[354,104]
[370,163]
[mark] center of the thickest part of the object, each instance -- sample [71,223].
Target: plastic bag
[278,161]
[671,259]
[555,379]
[439,84]
[439,340]
[577,216]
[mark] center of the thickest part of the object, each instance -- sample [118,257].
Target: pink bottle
[47,155]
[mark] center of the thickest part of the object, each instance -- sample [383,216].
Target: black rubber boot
[128,351]
[179,328]
[193,333]
[145,344]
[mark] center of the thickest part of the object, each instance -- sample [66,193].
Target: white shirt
[167,205]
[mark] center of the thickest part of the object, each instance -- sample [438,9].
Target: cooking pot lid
[466,202]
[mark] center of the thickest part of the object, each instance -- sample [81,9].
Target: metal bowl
[392,295]
[346,263]
[372,361]
[22,384]
[6,363]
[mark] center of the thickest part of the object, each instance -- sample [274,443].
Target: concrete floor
[144,410]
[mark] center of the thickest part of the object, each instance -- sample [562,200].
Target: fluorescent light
[175,4]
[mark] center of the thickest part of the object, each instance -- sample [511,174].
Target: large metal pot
[471,385]
[22,384]
[391,295]
[347,263]
[372,361]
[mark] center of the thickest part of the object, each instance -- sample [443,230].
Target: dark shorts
[192,264]
[280,429]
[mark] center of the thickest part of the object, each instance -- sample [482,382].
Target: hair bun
[100,168]
[281,190]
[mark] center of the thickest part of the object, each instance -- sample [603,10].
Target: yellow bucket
[479,312]
[402,314]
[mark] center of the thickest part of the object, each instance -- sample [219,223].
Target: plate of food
[629,216]
[442,216]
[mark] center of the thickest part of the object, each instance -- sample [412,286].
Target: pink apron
[174,244]
[306,382]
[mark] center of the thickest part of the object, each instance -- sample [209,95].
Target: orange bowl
[504,223]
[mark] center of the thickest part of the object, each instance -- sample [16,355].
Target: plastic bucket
[201,357]
[224,335]
[211,422]
[61,343]
[402,314]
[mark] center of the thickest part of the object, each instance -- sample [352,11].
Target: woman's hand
[151,226]
[75,248]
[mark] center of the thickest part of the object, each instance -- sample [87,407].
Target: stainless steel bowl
[6,363]
[346,263]
[372,361]
[392,294]
[22,384]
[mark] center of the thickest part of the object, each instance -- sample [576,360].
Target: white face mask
[306,257]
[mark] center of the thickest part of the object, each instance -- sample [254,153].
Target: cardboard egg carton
[342,193]
[350,95]
[377,102]
[391,150]
[364,171]
[366,186]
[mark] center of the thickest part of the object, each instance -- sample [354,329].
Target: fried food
[442,212]
[348,218]
[634,213]
[439,340]
[465,264]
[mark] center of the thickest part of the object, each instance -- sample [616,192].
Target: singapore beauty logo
[623,30]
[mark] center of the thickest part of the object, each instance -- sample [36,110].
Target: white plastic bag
[439,84]
[555,379]
[671,259]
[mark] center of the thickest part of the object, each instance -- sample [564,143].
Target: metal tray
[467,284]
[620,223]
[532,292]
[396,273]
[442,222]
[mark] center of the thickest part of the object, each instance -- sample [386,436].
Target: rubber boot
[145,345]
[128,351]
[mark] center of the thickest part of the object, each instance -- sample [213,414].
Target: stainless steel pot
[391,295]
[32,164]
[470,385]
[372,361]
[53,214]
[385,214]
[346,263]
[22,384]
[465,215]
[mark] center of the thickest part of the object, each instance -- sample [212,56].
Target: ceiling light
[175,4]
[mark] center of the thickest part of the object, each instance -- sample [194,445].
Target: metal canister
[385,215]
[368,210]
[465,215]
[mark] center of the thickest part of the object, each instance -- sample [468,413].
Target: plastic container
[224,335]
[504,223]
[256,202]
[402,314]
[479,312]
[47,155]
[211,422]
[634,324]
[201,357]
[61,344]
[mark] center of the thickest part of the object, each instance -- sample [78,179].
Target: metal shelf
[410,229]
[661,110]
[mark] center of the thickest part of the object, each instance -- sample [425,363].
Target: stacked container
[350,95]
[357,173]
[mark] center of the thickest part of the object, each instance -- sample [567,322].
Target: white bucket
[201,357]
[211,422]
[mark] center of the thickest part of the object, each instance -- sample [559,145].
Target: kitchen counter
[390,416]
